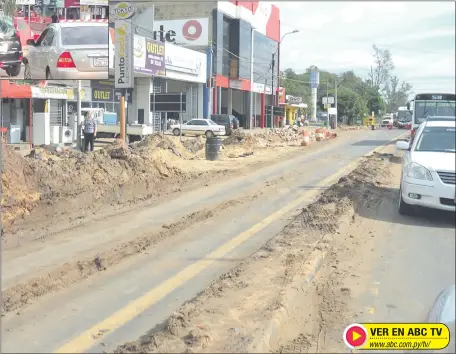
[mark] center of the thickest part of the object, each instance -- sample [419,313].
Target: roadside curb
[266,337]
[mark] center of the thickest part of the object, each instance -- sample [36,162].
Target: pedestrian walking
[90,131]
[55,17]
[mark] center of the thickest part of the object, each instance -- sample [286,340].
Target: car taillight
[65,61]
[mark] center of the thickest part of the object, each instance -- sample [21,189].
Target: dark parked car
[10,47]
[229,121]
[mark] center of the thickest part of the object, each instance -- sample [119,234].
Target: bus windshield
[404,116]
[424,109]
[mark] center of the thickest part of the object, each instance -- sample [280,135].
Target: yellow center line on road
[90,337]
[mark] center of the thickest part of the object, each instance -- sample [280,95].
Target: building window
[264,48]
[226,47]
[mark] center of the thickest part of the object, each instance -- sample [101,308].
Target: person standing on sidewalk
[90,131]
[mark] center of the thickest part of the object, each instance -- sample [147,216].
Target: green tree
[381,70]
[396,93]
[350,105]
[8,7]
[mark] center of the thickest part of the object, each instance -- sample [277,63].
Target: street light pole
[335,104]
[251,79]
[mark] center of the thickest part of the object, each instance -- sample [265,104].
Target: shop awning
[9,89]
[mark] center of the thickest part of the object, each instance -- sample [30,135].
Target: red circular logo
[355,336]
[192,30]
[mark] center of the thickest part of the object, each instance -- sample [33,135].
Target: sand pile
[270,137]
[63,180]
[18,193]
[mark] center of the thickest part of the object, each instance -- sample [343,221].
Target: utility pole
[327,104]
[272,90]
[335,103]
[251,79]
[79,118]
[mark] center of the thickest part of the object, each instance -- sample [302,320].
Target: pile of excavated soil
[51,181]
[19,195]
[233,312]
[270,137]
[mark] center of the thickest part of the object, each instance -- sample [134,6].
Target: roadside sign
[25,2]
[123,10]
[327,100]
[278,111]
[168,102]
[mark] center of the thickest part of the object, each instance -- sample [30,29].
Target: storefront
[234,24]
[294,108]
[101,94]
[94,9]
[176,69]
[186,72]
[20,101]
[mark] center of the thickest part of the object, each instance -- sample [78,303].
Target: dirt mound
[63,180]
[270,137]
[194,145]
[230,314]
[19,196]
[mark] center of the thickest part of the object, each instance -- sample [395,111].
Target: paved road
[128,300]
[392,268]
[415,260]
[4,75]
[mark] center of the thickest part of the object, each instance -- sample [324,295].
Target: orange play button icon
[355,336]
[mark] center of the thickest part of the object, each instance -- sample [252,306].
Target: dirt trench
[231,313]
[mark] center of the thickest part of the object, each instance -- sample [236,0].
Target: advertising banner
[149,56]
[123,57]
[193,32]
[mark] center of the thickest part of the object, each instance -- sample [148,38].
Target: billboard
[191,32]
[149,56]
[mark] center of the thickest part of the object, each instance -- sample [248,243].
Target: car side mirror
[403,145]
[30,42]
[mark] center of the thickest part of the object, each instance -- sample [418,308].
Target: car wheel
[404,208]
[14,71]
[27,72]
[176,131]
[209,134]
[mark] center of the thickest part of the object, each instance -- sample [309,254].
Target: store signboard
[123,57]
[185,64]
[260,88]
[149,56]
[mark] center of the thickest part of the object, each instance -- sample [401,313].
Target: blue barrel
[213,148]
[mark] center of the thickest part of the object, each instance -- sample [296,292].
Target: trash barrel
[213,148]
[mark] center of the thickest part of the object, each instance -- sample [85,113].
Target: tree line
[380,92]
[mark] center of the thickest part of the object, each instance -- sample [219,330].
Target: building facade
[230,26]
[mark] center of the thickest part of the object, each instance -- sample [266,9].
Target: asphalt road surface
[129,299]
[4,75]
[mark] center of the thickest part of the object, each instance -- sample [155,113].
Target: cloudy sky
[338,36]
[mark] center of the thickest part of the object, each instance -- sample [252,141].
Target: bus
[431,104]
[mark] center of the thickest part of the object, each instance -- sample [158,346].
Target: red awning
[72,3]
[9,89]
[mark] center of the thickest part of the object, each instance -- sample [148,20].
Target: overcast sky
[338,36]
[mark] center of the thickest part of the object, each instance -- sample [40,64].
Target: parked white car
[428,168]
[205,127]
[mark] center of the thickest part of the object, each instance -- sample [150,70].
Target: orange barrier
[306,139]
